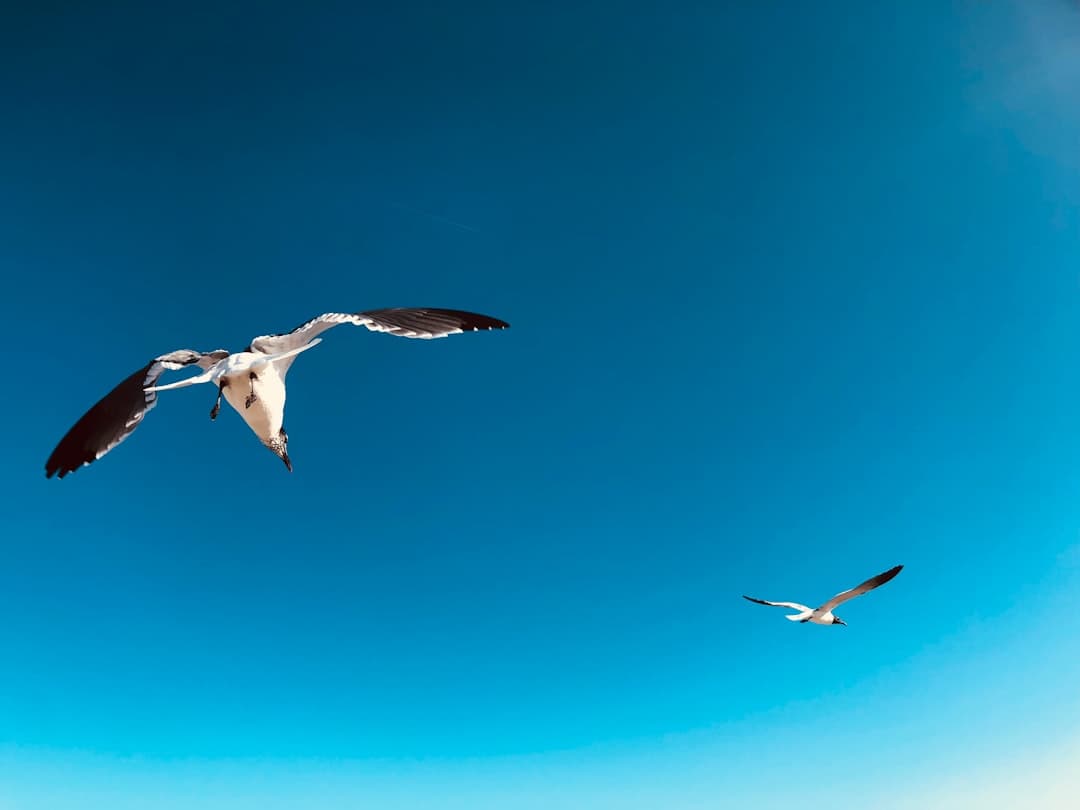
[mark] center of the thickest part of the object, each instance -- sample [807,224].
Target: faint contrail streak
[436,217]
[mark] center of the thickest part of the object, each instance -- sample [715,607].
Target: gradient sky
[795,296]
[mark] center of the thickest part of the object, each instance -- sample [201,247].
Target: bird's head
[838,620]
[279,446]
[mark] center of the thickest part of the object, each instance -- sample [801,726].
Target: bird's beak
[841,621]
[285,458]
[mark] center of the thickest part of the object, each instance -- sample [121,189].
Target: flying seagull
[824,614]
[251,381]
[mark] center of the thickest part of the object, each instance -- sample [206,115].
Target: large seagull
[251,381]
[824,613]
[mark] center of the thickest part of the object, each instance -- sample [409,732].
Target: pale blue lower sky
[990,704]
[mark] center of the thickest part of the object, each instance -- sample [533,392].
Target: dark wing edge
[759,601]
[880,579]
[862,588]
[428,322]
[411,322]
[115,416]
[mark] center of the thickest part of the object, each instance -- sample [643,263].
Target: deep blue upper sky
[795,297]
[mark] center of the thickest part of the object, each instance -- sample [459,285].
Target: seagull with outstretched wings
[251,381]
[824,613]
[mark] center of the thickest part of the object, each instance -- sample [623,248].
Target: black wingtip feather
[435,318]
[103,425]
[472,321]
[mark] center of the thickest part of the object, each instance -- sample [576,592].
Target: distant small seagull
[252,381]
[824,614]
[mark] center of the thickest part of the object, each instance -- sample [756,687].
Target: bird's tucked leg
[217,403]
[252,377]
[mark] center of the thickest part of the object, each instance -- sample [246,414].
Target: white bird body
[824,613]
[251,381]
[804,613]
[812,615]
[266,414]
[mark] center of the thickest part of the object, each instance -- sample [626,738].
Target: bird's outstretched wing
[859,590]
[792,605]
[119,412]
[410,322]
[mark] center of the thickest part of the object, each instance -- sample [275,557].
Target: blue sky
[795,297]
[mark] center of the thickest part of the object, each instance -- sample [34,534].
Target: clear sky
[795,295]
